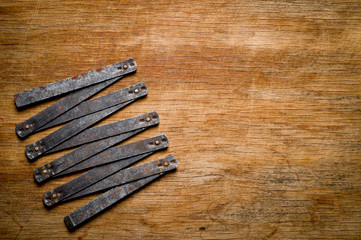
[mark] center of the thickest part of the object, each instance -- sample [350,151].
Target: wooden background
[260,100]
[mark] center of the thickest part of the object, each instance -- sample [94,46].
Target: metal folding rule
[96,149]
[87,85]
[122,184]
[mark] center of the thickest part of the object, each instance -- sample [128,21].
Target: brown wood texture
[260,100]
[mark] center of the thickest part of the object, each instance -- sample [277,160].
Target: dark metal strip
[74,83]
[82,214]
[123,152]
[89,163]
[117,153]
[58,109]
[40,147]
[123,176]
[124,95]
[58,165]
[83,181]
[82,153]
[108,130]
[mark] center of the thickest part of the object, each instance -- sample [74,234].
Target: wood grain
[260,100]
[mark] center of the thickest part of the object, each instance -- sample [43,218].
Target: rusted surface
[108,130]
[60,108]
[73,83]
[125,95]
[128,154]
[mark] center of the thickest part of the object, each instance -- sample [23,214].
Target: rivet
[54,195]
[45,171]
[27,126]
[157,142]
[166,163]
[36,148]
[125,66]
[136,90]
[147,119]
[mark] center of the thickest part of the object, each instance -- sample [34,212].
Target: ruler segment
[118,153]
[84,152]
[80,154]
[73,83]
[59,108]
[40,147]
[108,130]
[127,175]
[115,154]
[86,166]
[88,178]
[125,95]
[106,177]
[82,214]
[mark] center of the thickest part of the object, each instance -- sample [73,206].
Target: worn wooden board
[260,100]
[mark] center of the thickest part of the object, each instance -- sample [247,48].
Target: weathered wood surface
[260,100]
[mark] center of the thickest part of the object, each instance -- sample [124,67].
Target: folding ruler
[96,148]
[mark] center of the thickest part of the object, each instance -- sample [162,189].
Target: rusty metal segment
[105,178]
[82,214]
[87,179]
[124,176]
[121,152]
[86,166]
[80,154]
[40,147]
[108,130]
[125,95]
[68,160]
[59,108]
[73,83]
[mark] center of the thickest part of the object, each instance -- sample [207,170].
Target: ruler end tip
[38,177]
[164,138]
[69,223]
[16,100]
